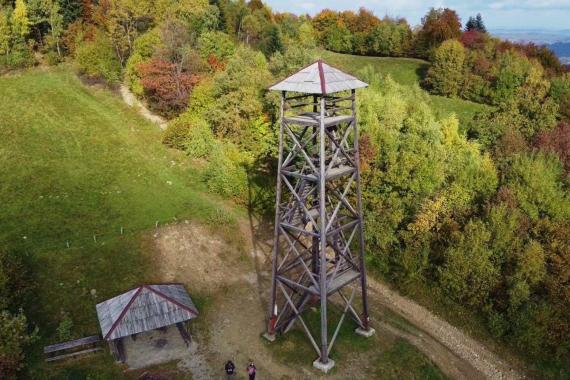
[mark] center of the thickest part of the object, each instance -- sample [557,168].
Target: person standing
[251,370]
[230,370]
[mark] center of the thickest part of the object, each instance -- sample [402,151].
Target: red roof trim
[322,77]
[170,299]
[123,312]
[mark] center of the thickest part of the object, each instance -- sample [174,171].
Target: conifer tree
[479,24]
[471,24]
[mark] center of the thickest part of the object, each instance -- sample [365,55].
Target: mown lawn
[78,167]
[406,71]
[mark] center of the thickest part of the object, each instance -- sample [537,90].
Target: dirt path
[456,354]
[232,320]
[130,99]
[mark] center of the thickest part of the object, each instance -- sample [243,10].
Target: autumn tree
[556,141]
[20,20]
[169,76]
[166,88]
[5,32]
[446,72]
[438,25]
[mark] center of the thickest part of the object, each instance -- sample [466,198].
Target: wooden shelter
[145,308]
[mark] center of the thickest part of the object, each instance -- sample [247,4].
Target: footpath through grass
[406,71]
[78,167]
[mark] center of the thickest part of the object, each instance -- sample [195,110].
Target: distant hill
[562,50]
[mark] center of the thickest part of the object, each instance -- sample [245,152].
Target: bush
[446,74]
[191,134]
[14,338]
[97,59]
[226,173]
[64,329]
[176,134]
[530,328]
[200,141]
[20,56]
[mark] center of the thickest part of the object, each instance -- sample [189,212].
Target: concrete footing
[325,367]
[269,337]
[365,333]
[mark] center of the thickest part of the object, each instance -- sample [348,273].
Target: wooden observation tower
[318,255]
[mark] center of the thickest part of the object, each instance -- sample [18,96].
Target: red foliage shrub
[367,151]
[215,63]
[166,87]
[87,13]
[78,32]
[473,39]
[557,141]
[511,142]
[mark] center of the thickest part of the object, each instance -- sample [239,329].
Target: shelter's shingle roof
[145,308]
[319,78]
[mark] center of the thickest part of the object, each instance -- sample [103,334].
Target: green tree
[97,58]
[468,273]
[307,35]
[56,23]
[272,41]
[530,268]
[71,10]
[446,73]
[238,92]
[218,44]
[538,183]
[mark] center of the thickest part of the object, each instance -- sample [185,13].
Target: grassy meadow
[77,166]
[406,71]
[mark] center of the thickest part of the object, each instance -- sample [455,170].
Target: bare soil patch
[231,279]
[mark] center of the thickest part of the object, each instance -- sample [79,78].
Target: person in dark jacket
[230,370]
[251,370]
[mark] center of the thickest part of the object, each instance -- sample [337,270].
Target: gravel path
[130,99]
[439,339]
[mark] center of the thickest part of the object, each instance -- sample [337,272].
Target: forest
[472,213]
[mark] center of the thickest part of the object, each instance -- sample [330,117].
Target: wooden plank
[74,354]
[72,344]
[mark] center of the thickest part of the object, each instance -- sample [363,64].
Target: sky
[497,14]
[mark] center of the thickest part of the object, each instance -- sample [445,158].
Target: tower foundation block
[365,333]
[269,337]
[324,367]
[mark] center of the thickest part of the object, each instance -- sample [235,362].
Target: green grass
[409,72]
[78,163]
[381,358]
[417,366]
